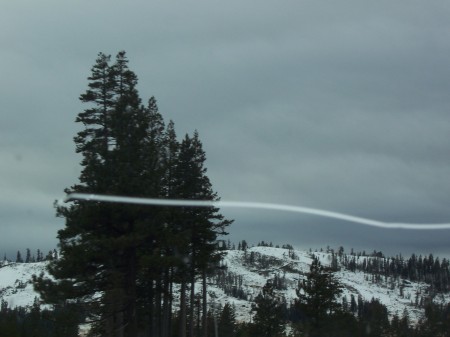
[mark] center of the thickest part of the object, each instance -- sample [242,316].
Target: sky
[337,105]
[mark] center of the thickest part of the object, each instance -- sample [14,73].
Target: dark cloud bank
[335,105]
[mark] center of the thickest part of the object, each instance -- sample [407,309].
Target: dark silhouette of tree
[269,319]
[227,321]
[436,322]
[19,257]
[317,300]
[120,260]
[374,319]
[28,256]
[201,226]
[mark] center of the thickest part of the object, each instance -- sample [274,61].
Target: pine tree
[269,318]
[227,321]
[200,226]
[39,256]
[99,245]
[19,257]
[317,299]
[353,304]
[119,260]
[49,256]
[28,256]
[374,319]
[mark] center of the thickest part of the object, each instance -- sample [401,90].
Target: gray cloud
[331,105]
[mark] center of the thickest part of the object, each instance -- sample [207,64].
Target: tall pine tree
[100,244]
[119,261]
[199,227]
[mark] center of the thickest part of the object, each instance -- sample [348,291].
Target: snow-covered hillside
[243,276]
[268,263]
[16,287]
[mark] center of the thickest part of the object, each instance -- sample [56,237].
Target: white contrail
[258,205]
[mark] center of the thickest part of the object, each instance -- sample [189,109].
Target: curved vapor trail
[254,205]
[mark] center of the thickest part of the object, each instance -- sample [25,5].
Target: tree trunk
[192,307]
[205,307]
[169,322]
[130,291]
[150,308]
[166,305]
[157,313]
[183,309]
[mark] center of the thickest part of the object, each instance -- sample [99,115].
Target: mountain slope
[244,274]
[16,287]
[254,267]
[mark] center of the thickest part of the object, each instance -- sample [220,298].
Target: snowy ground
[354,283]
[16,287]
[17,290]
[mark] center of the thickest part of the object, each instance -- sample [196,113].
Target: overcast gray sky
[340,105]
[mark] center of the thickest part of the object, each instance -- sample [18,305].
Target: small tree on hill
[19,257]
[270,317]
[317,299]
[227,321]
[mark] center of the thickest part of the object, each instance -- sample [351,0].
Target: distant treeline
[426,269]
[30,257]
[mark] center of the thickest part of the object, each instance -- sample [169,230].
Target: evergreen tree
[199,226]
[437,321]
[99,245]
[120,260]
[28,256]
[353,304]
[227,321]
[269,319]
[49,256]
[39,257]
[19,257]
[374,320]
[317,300]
